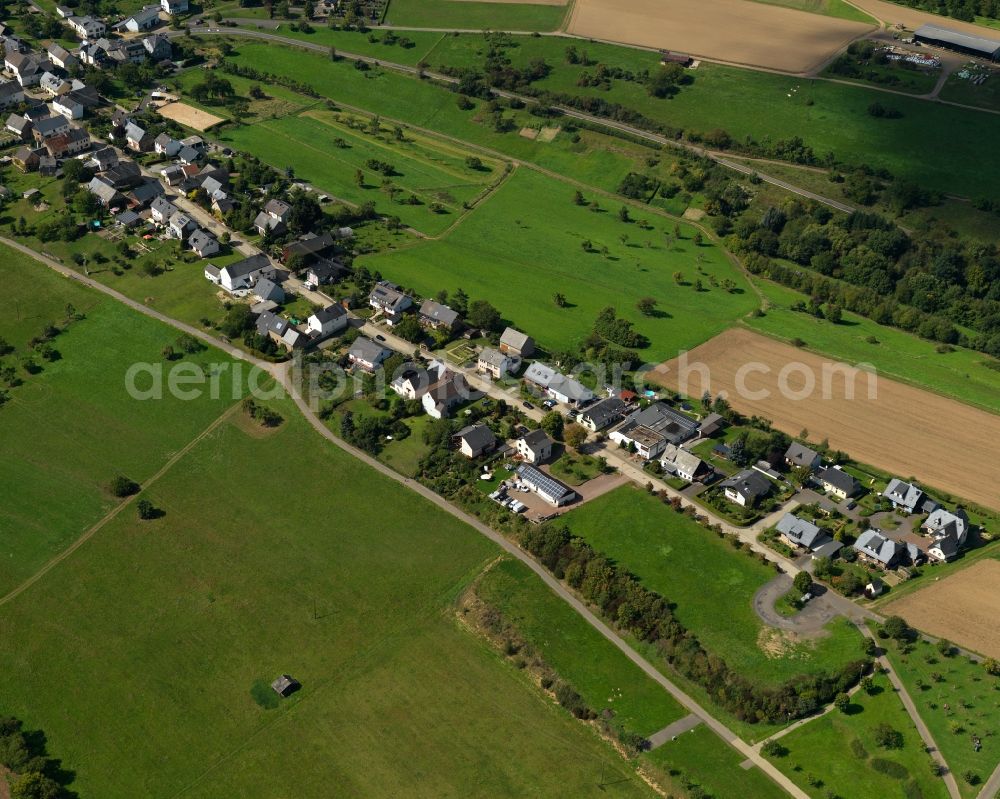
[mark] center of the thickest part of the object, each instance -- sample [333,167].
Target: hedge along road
[565,110]
[281,373]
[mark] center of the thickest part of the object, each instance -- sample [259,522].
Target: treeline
[864,263]
[645,614]
[35,775]
[966,10]
[267,78]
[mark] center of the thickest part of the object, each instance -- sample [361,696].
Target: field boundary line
[115,511]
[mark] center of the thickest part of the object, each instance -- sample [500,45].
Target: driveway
[809,621]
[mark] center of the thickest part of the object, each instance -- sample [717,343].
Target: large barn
[962,42]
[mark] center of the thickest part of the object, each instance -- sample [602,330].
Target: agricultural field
[70,429]
[957,700]
[962,607]
[960,89]
[798,390]
[431,178]
[399,47]
[597,669]
[701,573]
[552,256]
[860,767]
[167,634]
[527,15]
[734,31]
[963,374]
[828,8]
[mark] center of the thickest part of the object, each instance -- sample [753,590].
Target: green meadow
[68,430]
[828,8]
[711,584]
[966,375]
[838,754]
[451,15]
[527,242]
[166,634]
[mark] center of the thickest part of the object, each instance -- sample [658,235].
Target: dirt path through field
[963,608]
[904,430]
[734,31]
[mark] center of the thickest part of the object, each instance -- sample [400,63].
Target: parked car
[380,337]
[549,404]
[528,405]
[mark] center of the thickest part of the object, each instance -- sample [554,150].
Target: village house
[711,425]
[103,159]
[161,209]
[327,321]
[73,142]
[442,397]
[45,127]
[87,28]
[437,316]
[190,155]
[180,225]
[557,386]
[475,440]
[167,145]
[650,430]
[874,548]
[534,446]
[203,243]
[279,330]
[68,107]
[799,456]
[174,6]
[239,277]
[28,68]
[138,138]
[366,354]
[158,47]
[747,488]
[145,19]
[801,534]
[124,174]
[267,290]
[106,194]
[838,482]
[548,488]
[324,271]
[390,301]
[602,414]
[683,464]
[274,217]
[513,342]
[53,85]
[413,382]
[61,57]
[307,248]
[497,364]
[26,158]
[907,497]
[950,531]
[20,126]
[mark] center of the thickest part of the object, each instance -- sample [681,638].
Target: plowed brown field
[963,608]
[737,31]
[903,430]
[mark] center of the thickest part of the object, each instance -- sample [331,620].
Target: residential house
[366,354]
[107,195]
[61,57]
[240,277]
[273,218]
[26,158]
[48,166]
[45,127]
[874,548]
[534,446]
[174,6]
[435,315]
[161,209]
[548,488]
[442,397]
[203,243]
[144,193]
[128,219]
[167,145]
[267,290]
[103,159]
[799,456]
[145,19]
[180,225]
[20,126]
[413,382]
[64,12]
[53,85]
[124,174]
[28,68]
[513,342]
[279,330]
[327,321]
[497,364]
[189,155]
[158,47]
[475,440]
[387,298]
[801,534]
[602,414]
[950,531]
[307,248]
[711,425]
[746,488]
[86,96]
[907,497]
[326,271]
[838,482]
[73,142]
[557,386]
[138,138]
[683,464]
[68,106]
[87,28]
[652,428]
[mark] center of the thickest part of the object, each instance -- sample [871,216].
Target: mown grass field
[704,759]
[451,15]
[828,8]
[962,374]
[956,699]
[402,47]
[835,753]
[711,584]
[156,634]
[598,670]
[526,243]
[328,153]
[70,429]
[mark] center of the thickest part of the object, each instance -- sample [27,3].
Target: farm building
[962,42]
[548,488]
[285,685]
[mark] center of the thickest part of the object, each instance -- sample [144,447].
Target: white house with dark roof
[145,19]
[908,497]
[161,209]
[535,446]
[367,354]
[11,94]
[683,463]
[180,225]
[875,548]
[950,531]
[241,276]
[387,298]
[435,315]
[838,482]
[267,290]
[556,385]
[649,430]
[203,243]
[602,414]
[497,364]
[747,488]
[442,397]
[475,440]
[174,6]
[327,321]
[799,456]
[61,57]
[87,28]
[800,533]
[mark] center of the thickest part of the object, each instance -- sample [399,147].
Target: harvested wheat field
[734,31]
[963,608]
[189,116]
[904,430]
